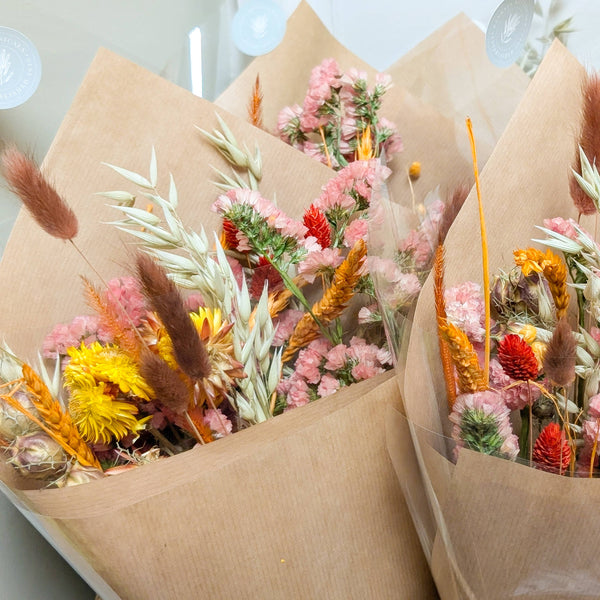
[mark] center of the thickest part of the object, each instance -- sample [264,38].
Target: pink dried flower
[516,397]
[563,226]
[465,308]
[319,261]
[285,324]
[297,394]
[337,357]
[219,423]
[479,420]
[63,336]
[328,385]
[356,230]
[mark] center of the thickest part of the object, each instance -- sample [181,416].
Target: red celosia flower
[551,451]
[318,226]
[517,358]
[265,271]
[230,234]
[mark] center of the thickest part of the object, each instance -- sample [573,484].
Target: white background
[153,33]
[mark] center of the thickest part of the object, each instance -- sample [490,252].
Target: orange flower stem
[594,448]
[194,428]
[484,255]
[325,146]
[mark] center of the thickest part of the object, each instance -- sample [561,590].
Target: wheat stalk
[54,421]
[333,302]
[471,377]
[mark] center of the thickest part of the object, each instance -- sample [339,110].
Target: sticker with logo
[258,27]
[508,30]
[20,68]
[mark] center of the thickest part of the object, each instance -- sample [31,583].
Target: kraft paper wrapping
[496,529]
[305,505]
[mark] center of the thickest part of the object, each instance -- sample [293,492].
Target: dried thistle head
[589,141]
[40,198]
[559,359]
[166,301]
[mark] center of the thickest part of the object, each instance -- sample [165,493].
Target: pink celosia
[356,230]
[328,385]
[319,261]
[219,423]
[465,308]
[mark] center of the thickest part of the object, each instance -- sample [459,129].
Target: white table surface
[67,34]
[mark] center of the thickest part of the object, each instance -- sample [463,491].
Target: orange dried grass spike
[440,311]
[333,302]
[471,377]
[126,337]
[255,109]
[553,269]
[54,421]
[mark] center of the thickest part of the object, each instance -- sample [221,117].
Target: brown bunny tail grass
[55,422]
[169,387]
[333,302]
[471,377]
[42,201]
[559,358]
[589,141]
[164,298]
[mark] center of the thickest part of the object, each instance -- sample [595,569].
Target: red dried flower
[517,358]
[551,451]
[318,226]
[230,234]
[265,271]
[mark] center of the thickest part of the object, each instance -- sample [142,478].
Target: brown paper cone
[504,530]
[303,506]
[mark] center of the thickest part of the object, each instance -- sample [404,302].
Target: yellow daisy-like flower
[98,416]
[109,364]
[218,339]
[532,259]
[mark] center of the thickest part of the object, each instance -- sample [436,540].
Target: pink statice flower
[565,227]
[288,124]
[318,262]
[591,438]
[516,397]
[356,230]
[63,336]
[298,392]
[219,423]
[369,314]
[285,324]
[328,385]
[465,308]
[337,357]
[482,423]
[400,288]
[124,295]
[308,365]
[359,177]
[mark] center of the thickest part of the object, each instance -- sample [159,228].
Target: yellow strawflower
[98,416]
[108,364]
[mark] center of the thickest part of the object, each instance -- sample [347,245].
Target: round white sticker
[507,31]
[20,68]
[258,27]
